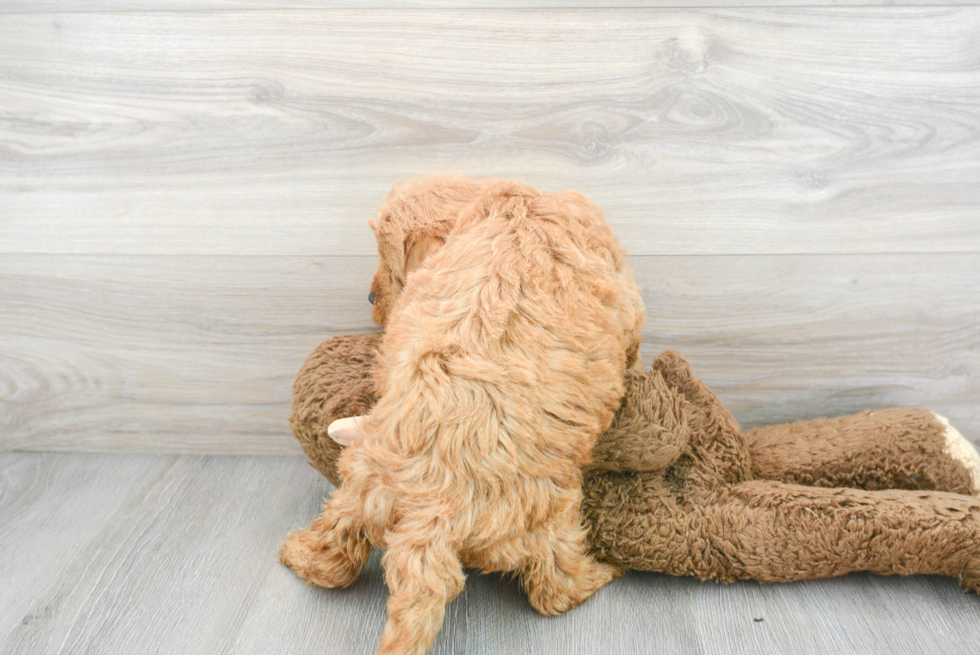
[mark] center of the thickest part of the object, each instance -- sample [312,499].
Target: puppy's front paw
[318,560]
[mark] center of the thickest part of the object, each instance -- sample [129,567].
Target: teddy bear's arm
[648,432]
[891,449]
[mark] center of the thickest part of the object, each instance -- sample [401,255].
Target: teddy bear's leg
[776,532]
[645,522]
[423,574]
[558,574]
[333,550]
[891,449]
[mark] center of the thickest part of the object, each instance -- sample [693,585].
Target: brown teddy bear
[676,487]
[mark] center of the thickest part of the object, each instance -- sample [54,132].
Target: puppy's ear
[418,248]
[391,247]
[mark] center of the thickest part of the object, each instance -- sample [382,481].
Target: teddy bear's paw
[316,558]
[958,448]
[970,576]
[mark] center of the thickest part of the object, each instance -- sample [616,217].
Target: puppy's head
[413,222]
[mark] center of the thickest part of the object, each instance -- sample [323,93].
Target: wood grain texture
[182,205]
[172,568]
[51,507]
[53,6]
[728,131]
[198,354]
[164,554]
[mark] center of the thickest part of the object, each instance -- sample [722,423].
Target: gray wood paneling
[37,6]
[729,131]
[165,554]
[198,354]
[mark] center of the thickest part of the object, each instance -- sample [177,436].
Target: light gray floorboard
[51,508]
[169,563]
[166,554]
[722,131]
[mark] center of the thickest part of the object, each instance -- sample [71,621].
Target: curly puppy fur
[415,221]
[512,320]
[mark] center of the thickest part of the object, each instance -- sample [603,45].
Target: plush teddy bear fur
[676,487]
[505,355]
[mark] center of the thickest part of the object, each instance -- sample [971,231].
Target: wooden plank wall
[183,195]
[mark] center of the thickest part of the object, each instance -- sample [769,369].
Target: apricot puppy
[511,319]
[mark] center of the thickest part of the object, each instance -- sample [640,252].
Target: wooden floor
[113,553]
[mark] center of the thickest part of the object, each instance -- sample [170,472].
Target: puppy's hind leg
[423,573]
[557,573]
[333,550]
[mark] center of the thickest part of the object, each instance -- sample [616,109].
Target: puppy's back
[507,351]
